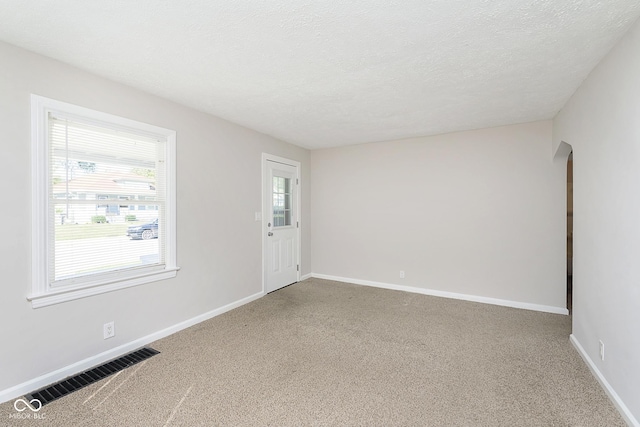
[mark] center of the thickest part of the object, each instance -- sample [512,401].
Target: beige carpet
[327,353]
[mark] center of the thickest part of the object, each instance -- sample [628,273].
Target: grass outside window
[90,231]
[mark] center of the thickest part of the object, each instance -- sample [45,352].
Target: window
[281,201]
[103,202]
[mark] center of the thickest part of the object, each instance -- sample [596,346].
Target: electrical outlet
[402,274]
[601,350]
[109,330]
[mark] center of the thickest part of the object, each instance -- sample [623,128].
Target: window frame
[42,292]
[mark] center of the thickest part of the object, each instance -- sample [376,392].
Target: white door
[281,222]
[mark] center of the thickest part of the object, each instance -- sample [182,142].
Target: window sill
[57,296]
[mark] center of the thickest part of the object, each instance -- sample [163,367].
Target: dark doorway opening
[570,232]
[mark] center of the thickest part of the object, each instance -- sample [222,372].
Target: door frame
[266,157]
[561,156]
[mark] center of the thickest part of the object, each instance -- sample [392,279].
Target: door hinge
[297,224]
[297,181]
[298,267]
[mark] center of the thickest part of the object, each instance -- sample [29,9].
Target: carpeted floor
[327,353]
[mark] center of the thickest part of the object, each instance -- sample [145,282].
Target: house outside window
[96,177]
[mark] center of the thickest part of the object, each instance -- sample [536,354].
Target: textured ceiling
[329,73]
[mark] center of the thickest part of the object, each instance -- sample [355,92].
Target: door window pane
[281,201]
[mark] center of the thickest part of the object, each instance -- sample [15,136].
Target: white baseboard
[305,276]
[453,295]
[617,402]
[88,363]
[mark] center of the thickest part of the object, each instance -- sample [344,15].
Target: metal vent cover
[71,384]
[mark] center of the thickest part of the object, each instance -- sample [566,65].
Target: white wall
[602,124]
[479,213]
[219,243]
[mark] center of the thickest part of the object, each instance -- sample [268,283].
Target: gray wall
[480,213]
[219,243]
[602,124]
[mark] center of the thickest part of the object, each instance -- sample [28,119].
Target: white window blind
[104,204]
[103,181]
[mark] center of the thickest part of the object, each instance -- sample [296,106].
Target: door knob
[269,234]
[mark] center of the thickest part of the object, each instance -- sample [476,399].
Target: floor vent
[71,384]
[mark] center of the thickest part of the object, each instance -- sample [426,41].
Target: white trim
[452,295]
[171,202]
[39,196]
[263,229]
[55,297]
[88,115]
[42,293]
[613,396]
[90,362]
[305,277]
